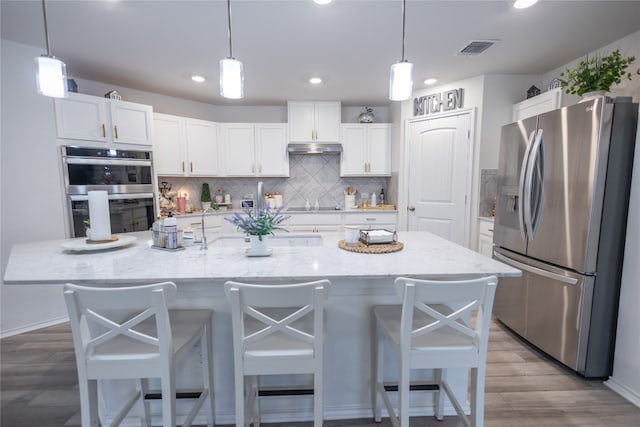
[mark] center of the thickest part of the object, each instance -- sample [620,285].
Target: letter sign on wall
[438,102]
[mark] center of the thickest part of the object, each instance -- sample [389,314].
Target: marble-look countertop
[424,256]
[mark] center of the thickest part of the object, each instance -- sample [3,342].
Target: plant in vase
[258,224]
[598,73]
[205,197]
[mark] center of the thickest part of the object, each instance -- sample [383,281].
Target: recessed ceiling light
[430,81]
[198,79]
[523,4]
[322,1]
[315,80]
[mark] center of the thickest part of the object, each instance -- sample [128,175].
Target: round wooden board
[383,248]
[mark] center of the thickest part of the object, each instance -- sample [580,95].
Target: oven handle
[95,161]
[83,197]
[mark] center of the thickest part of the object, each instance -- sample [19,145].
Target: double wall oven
[126,175]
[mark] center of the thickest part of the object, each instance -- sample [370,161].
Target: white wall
[31,191]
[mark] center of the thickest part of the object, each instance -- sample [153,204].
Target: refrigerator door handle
[535,270]
[527,213]
[521,195]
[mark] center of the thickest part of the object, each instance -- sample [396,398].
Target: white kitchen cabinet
[366,150]
[258,149]
[485,236]
[91,118]
[314,121]
[185,147]
[546,101]
[372,220]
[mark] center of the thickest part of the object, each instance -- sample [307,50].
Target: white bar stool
[277,329]
[432,329]
[129,332]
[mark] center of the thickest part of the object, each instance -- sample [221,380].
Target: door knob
[411,208]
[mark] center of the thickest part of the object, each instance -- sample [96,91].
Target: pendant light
[400,82]
[51,73]
[231,70]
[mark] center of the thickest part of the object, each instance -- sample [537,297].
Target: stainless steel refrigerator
[563,192]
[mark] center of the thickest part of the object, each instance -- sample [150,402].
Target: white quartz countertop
[424,256]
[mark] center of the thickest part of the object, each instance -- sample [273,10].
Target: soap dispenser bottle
[381,199]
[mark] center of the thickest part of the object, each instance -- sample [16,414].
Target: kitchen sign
[438,102]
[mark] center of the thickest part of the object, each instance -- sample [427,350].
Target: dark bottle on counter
[381,200]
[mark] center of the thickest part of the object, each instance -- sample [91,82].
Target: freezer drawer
[547,306]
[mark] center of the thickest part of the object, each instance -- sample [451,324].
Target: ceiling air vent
[476,47]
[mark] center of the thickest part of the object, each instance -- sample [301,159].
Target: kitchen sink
[277,240]
[303,209]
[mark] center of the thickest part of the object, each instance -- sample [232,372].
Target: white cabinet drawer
[485,226]
[371,219]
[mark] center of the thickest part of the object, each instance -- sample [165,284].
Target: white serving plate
[81,245]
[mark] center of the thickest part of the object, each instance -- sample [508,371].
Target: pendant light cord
[46,29]
[229,16]
[403,20]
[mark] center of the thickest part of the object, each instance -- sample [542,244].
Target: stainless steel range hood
[314,148]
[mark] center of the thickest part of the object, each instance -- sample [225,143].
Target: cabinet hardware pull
[190,166]
[183,166]
[104,131]
[260,168]
[195,223]
[490,230]
[115,128]
[371,219]
[253,168]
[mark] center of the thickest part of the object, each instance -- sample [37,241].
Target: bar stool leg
[440,377]
[378,374]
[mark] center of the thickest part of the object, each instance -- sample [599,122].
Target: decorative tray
[81,244]
[162,248]
[378,236]
[383,248]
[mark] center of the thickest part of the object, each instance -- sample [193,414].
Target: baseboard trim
[33,326]
[623,390]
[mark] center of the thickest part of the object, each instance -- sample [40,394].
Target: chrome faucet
[259,199]
[203,241]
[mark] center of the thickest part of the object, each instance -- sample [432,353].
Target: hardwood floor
[38,388]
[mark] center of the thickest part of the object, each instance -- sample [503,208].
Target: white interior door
[439,169]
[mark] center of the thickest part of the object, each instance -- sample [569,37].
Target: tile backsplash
[488,190]
[311,177]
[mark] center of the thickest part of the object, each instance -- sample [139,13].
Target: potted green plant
[205,197]
[598,73]
[258,224]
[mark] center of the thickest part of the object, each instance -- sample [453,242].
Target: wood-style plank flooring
[38,388]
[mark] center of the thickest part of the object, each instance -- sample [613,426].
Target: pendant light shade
[51,76]
[231,78]
[51,73]
[400,81]
[231,70]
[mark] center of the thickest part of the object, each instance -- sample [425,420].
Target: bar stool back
[129,332]
[433,329]
[277,329]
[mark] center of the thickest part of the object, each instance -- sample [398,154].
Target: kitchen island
[359,281]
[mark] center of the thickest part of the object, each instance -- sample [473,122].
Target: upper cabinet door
[238,140]
[301,121]
[354,150]
[169,148]
[328,116]
[202,145]
[82,117]
[271,149]
[379,149]
[131,123]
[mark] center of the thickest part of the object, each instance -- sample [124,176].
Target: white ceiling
[157,45]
